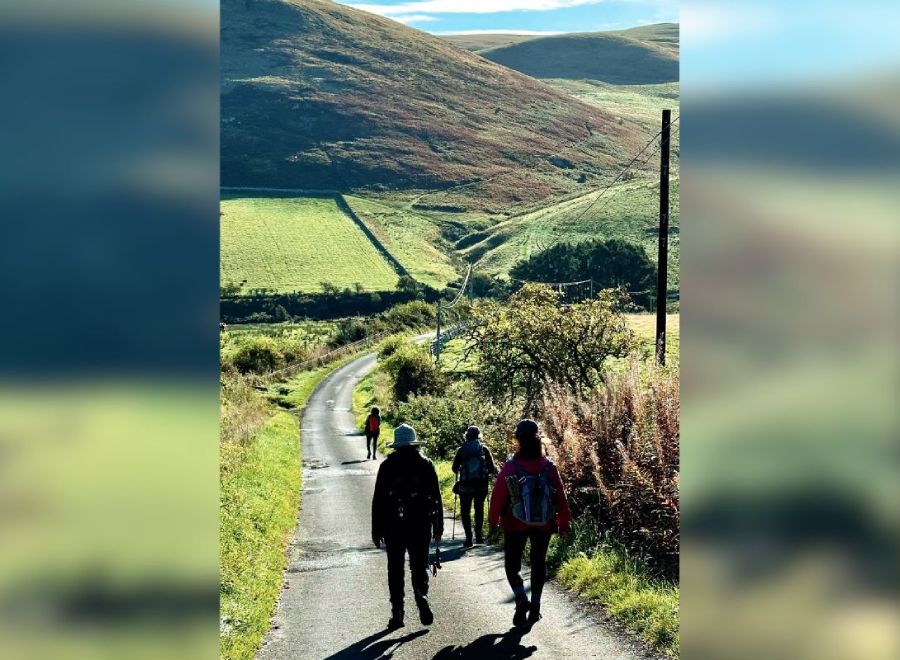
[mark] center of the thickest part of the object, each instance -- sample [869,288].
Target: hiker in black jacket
[473,465]
[406,514]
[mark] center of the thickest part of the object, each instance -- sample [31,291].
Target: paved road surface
[335,601]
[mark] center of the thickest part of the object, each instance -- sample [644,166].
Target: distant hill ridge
[319,95]
[642,55]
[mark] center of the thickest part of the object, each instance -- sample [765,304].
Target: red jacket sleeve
[499,499]
[563,514]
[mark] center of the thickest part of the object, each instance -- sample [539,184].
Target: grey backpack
[532,496]
[472,468]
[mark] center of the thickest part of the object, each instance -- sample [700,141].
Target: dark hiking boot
[467,543]
[520,618]
[479,539]
[426,616]
[396,620]
[534,615]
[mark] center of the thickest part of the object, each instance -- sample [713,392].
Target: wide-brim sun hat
[472,433]
[405,436]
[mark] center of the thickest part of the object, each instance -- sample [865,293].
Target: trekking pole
[455,495]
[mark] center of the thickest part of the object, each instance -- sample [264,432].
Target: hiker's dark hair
[530,445]
[376,411]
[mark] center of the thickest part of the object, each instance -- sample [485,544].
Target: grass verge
[604,574]
[260,485]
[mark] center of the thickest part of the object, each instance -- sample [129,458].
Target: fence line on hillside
[381,247]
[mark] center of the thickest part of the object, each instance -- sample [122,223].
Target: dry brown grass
[243,410]
[618,451]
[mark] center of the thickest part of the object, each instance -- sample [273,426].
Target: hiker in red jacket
[372,428]
[528,502]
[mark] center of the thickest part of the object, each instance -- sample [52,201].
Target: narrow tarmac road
[335,599]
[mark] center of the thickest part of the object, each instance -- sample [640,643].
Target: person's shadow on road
[502,647]
[371,648]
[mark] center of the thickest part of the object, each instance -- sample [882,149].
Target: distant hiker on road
[373,427]
[529,502]
[473,465]
[406,514]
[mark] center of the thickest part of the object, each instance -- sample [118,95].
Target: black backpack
[408,501]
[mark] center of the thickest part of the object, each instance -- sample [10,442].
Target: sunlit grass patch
[260,491]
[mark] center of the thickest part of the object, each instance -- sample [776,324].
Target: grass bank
[260,485]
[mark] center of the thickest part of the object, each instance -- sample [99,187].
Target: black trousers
[513,549]
[465,505]
[371,443]
[414,542]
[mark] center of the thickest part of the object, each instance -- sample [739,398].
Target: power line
[462,290]
[606,188]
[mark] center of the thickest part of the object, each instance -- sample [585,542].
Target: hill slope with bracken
[320,95]
[630,57]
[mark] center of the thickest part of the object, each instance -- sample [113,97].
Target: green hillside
[629,211]
[662,35]
[320,95]
[609,57]
[295,244]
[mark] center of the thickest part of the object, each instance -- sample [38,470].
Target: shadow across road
[502,647]
[374,646]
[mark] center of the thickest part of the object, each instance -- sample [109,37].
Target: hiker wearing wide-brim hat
[474,466]
[406,514]
[405,436]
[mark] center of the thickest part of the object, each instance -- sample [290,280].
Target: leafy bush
[349,331]
[610,263]
[258,355]
[534,340]
[618,452]
[407,316]
[390,346]
[441,420]
[413,372]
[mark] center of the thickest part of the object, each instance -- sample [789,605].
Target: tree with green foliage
[611,263]
[534,339]
[406,284]
[413,372]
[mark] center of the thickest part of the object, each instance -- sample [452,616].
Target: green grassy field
[629,211]
[639,104]
[413,239]
[295,244]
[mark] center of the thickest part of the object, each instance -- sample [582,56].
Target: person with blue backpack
[529,503]
[474,466]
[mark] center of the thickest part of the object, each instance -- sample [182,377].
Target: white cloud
[414,18]
[468,6]
[540,33]
[706,23]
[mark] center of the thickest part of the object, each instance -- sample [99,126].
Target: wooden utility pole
[662,262]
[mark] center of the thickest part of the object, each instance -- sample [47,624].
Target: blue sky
[522,16]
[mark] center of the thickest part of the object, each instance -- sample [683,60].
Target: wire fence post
[437,336]
[662,262]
